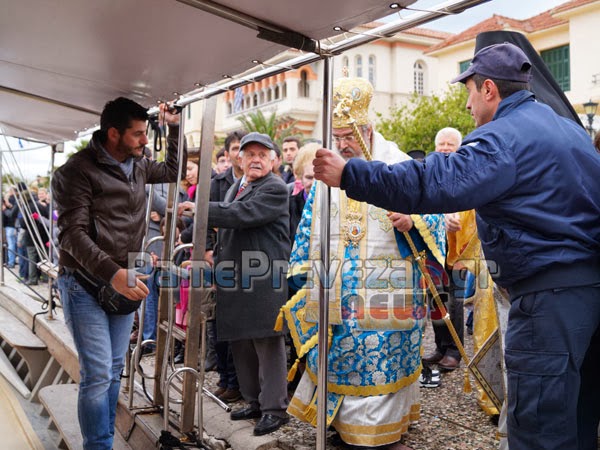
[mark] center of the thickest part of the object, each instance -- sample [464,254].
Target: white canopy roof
[62,60]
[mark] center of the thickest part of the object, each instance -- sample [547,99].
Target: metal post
[196,330]
[136,355]
[2,224]
[166,302]
[51,246]
[325,282]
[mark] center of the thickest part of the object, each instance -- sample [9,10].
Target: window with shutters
[558,62]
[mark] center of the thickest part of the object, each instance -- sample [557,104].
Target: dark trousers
[34,258]
[262,373]
[225,366]
[23,263]
[553,364]
[455,306]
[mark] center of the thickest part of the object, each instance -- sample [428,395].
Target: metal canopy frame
[262,70]
[61,60]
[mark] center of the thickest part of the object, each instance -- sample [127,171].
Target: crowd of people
[529,182]
[26,218]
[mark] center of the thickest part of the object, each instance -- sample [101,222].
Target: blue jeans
[553,363]
[151,314]
[11,244]
[101,341]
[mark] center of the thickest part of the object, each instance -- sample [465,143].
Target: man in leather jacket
[101,201]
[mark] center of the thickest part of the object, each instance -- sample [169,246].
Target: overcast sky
[37,162]
[28,159]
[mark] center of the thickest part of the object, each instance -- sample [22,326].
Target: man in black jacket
[101,201]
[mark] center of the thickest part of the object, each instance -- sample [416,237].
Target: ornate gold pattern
[380,215]
[351,99]
[353,226]
[421,226]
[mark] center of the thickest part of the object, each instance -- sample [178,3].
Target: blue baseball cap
[258,138]
[500,61]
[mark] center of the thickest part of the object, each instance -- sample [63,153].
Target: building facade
[422,61]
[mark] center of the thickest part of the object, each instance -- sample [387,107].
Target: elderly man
[251,254]
[532,177]
[377,308]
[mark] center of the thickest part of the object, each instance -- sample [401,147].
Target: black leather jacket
[101,214]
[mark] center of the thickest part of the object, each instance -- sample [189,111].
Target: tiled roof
[570,5]
[496,22]
[428,33]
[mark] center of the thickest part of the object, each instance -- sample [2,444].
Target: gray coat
[253,247]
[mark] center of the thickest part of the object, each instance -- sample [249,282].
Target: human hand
[208,257]
[164,115]
[401,222]
[452,222]
[329,166]
[154,257]
[183,206]
[126,283]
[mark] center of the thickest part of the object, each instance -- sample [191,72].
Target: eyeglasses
[349,138]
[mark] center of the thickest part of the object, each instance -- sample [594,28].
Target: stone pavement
[450,420]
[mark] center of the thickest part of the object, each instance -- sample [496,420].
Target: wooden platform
[60,402]
[15,428]
[24,360]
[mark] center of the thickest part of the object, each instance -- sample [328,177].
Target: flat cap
[257,138]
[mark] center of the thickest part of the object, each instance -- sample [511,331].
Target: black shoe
[31,283]
[269,423]
[430,378]
[245,413]
[148,350]
[179,357]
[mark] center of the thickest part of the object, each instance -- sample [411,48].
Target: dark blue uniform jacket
[532,175]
